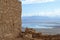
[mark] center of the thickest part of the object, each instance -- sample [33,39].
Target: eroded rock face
[10,19]
[30,30]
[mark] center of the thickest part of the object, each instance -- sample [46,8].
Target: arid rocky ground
[31,34]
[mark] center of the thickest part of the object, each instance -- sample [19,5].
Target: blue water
[40,25]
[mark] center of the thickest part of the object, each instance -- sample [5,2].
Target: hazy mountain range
[40,19]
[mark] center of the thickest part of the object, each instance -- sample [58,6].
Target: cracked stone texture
[10,19]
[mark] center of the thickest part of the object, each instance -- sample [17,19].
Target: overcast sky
[50,8]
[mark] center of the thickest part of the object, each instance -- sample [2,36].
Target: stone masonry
[10,19]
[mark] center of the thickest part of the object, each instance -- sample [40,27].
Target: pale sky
[50,8]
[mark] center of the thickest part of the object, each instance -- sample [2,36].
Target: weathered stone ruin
[10,24]
[10,19]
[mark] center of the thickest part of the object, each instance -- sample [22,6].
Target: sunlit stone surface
[10,19]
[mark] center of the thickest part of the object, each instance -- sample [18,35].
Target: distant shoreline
[46,31]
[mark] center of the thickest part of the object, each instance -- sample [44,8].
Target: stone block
[10,19]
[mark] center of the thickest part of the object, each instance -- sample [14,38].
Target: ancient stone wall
[10,19]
